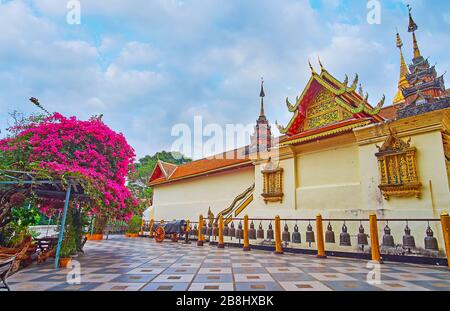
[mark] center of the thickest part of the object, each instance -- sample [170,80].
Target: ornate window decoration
[398,168]
[272,182]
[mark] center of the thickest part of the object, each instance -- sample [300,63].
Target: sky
[147,65]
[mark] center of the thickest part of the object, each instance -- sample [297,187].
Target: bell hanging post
[260,231]
[270,235]
[388,239]
[408,239]
[201,237]
[430,241]
[220,242]
[310,234]
[286,236]
[296,237]
[344,238]
[252,231]
[362,237]
[329,234]
[187,232]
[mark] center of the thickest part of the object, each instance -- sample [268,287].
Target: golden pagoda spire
[402,82]
[412,28]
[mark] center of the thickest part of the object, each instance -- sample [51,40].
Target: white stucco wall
[189,198]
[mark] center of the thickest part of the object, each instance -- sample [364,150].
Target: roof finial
[402,82]
[311,67]
[412,27]
[262,95]
[320,63]
[399,40]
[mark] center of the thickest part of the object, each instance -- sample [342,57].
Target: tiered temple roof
[328,104]
[425,90]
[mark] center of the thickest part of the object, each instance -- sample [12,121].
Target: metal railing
[372,238]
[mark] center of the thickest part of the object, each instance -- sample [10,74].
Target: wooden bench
[6,264]
[22,253]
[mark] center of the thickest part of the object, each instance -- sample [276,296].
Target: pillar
[201,238]
[374,241]
[445,222]
[320,241]
[220,243]
[246,239]
[278,246]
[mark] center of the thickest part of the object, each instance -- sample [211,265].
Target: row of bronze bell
[408,240]
[344,239]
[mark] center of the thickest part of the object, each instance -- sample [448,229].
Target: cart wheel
[159,234]
[174,237]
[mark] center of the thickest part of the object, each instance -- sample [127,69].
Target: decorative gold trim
[272,182]
[326,133]
[397,167]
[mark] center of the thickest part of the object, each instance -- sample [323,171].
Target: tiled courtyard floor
[141,264]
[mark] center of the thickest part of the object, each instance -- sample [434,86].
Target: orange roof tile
[389,112]
[169,168]
[202,167]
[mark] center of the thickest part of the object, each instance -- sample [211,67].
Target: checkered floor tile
[124,264]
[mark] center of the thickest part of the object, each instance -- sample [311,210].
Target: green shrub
[134,225]
[72,235]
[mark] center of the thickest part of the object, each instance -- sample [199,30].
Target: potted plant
[97,232]
[69,246]
[134,226]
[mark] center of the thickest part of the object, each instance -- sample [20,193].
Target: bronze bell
[232,231]
[209,230]
[286,236]
[204,229]
[296,238]
[310,235]
[329,235]
[270,232]
[362,237]
[239,231]
[408,239]
[260,232]
[195,230]
[430,241]
[225,230]
[252,231]
[344,238]
[388,239]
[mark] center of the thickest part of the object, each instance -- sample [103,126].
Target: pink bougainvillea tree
[88,151]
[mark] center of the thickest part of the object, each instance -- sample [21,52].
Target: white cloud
[150,64]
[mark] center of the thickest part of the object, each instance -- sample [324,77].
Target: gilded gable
[324,110]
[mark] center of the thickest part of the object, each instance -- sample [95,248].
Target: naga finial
[290,107]
[311,67]
[281,128]
[345,81]
[355,83]
[320,63]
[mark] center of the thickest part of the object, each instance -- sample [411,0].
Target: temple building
[338,156]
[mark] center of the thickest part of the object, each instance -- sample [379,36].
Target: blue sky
[149,64]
